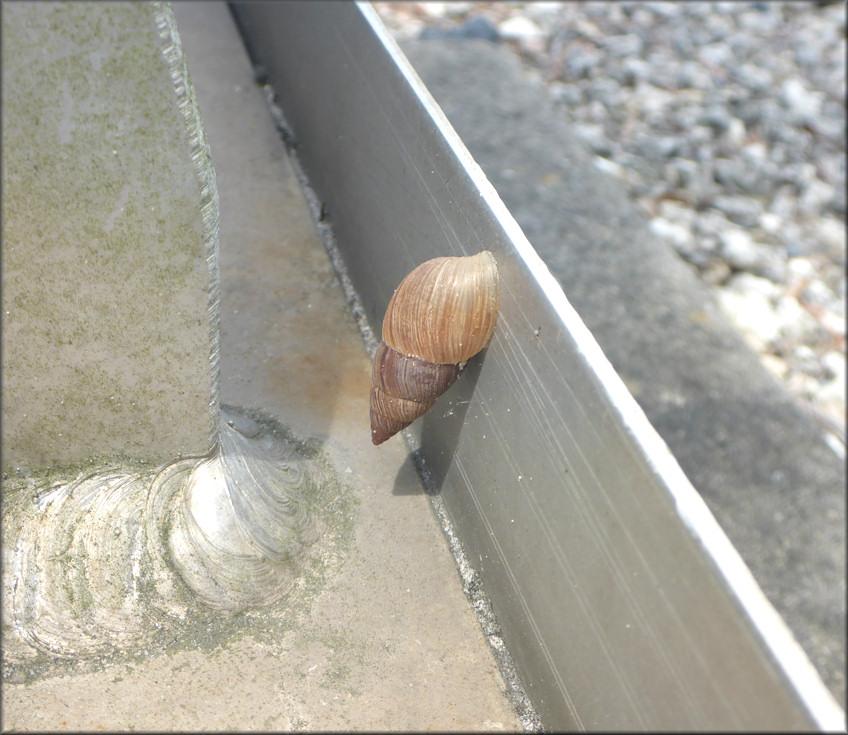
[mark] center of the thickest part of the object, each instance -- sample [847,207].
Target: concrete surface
[106,286]
[381,637]
[762,466]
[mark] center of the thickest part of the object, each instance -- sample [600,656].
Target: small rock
[771,223]
[747,283]
[753,315]
[634,71]
[716,117]
[542,8]
[580,59]
[754,77]
[818,294]
[833,322]
[711,222]
[715,54]
[796,323]
[678,235]
[456,7]
[628,45]
[479,27]
[817,196]
[736,132]
[802,103]
[743,253]
[609,167]
[741,210]
[834,363]
[568,94]
[739,249]
[793,240]
[519,28]
[739,176]
[784,204]
[775,365]
[677,212]
[653,100]
[714,272]
[435,9]
[802,384]
[831,393]
[476,27]
[831,235]
[691,75]
[593,135]
[804,359]
[605,90]
[800,269]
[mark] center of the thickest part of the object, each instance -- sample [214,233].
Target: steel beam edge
[603,501]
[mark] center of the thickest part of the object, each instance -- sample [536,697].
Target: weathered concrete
[106,233]
[761,465]
[384,640]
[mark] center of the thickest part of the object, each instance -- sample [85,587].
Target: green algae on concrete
[109,254]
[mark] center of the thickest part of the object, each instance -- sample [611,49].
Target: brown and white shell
[441,314]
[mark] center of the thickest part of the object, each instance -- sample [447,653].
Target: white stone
[543,7]
[677,212]
[817,195]
[457,8]
[832,392]
[739,248]
[755,151]
[795,321]
[608,167]
[801,268]
[831,233]
[434,9]
[677,235]
[800,100]
[775,365]
[833,322]
[771,223]
[736,132]
[520,28]
[834,363]
[817,293]
[747,283]
[652,100]
[753,315]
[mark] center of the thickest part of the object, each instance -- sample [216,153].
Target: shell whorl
[445,310]
[440,315]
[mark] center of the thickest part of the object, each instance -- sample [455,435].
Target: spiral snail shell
[441,314]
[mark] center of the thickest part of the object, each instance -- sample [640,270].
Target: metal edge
[691,508]
[693,513]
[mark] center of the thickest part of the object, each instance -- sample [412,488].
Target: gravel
[725,121]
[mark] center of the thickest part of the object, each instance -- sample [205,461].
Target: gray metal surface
[621,600]
[763,468]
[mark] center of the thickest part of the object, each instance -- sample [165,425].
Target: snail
[441,314]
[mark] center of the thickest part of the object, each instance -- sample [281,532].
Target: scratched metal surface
[620,599]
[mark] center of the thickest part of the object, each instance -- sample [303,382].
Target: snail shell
[441,314]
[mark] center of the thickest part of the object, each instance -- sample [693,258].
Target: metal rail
[621,600]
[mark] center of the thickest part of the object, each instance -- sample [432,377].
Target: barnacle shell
[440,315]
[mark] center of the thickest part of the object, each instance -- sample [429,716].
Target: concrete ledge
[109,241]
